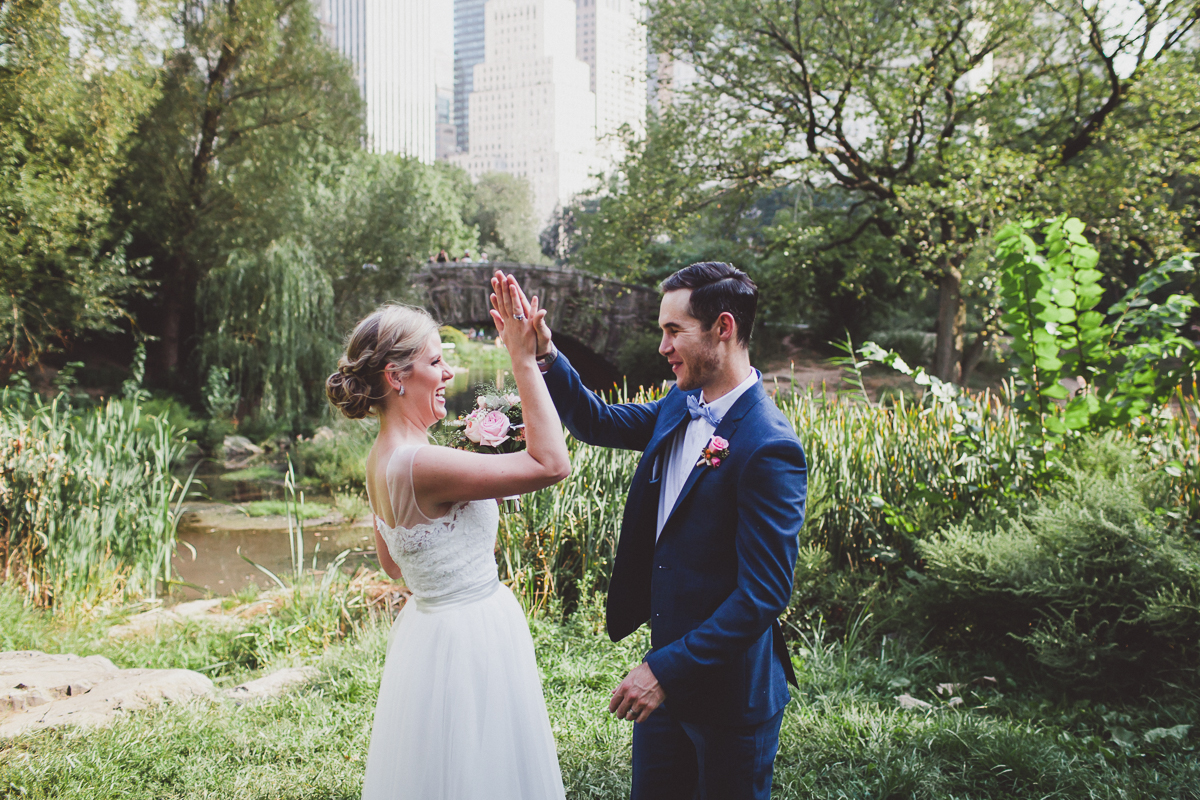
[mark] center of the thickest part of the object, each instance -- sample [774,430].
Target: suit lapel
[728,426]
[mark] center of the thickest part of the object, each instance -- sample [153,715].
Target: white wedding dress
[460,714]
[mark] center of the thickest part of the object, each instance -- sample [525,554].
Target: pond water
[216,536]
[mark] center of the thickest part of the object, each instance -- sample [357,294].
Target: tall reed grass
[87,497]
[878,477]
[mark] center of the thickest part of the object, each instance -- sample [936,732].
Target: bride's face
[425,386]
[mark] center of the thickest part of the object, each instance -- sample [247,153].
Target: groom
[708,544]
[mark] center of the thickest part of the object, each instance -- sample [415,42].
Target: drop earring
[402,390]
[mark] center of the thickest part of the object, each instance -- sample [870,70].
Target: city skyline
[427,68]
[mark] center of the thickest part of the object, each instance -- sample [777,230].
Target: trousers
[675,760]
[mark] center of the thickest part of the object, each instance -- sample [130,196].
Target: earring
[402,390]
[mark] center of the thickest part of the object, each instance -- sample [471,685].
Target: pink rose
[493,429]
[716,462]
[718,444]
[512,399]
[472,430]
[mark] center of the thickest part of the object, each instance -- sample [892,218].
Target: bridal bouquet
[494,426]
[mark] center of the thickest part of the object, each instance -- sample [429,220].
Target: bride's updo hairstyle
[391,334]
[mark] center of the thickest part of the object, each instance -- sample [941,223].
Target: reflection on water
[462,391]
[209,560]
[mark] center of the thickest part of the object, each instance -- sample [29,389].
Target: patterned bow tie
[697,410]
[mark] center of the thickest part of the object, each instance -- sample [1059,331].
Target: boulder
[271,685]
[38,690]
[239,447]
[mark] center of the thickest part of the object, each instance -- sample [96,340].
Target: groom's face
[691,350]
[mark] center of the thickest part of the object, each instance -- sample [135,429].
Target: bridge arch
[591,316]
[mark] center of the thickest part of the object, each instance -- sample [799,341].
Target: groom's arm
[771,492]
[589,419]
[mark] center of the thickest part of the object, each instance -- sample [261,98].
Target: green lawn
[845,736]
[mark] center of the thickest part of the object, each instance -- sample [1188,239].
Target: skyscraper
[468,51]
[531,111]
[394,46]
[611,39]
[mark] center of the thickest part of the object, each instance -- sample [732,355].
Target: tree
[267,318]
[383,217]
[65,122]
[939,120]
[255,108]
[502,209]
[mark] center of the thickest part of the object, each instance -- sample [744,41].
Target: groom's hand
[638,695]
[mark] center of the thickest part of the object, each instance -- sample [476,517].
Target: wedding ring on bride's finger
[520,317]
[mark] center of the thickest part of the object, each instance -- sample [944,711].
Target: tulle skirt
[461,714]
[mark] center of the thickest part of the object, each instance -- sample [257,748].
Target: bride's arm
[444,475]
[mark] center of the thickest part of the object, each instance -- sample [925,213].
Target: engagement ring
[519,316]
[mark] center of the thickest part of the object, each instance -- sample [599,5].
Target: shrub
[1090,582]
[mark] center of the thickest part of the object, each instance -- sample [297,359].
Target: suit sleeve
[628,426]
[771,491]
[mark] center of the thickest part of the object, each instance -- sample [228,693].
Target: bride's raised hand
[515,321]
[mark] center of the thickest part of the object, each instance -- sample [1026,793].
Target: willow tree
[267,317]
[939,120]
[65,121]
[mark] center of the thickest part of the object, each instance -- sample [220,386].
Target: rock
[323,434]
[271,685]
[239,447]
[43,691]
[196,610]
[907,701]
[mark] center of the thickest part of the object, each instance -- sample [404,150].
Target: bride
[460,713]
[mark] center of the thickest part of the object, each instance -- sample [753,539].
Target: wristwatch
[545,361]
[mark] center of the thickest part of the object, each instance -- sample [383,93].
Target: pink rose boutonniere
[715,452]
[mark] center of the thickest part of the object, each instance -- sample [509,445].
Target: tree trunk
[973,355]
[952,318]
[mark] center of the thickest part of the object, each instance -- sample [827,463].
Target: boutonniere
[715,451]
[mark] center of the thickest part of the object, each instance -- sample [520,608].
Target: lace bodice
[437,556]
[449,554]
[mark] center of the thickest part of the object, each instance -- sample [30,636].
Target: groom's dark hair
[718,287]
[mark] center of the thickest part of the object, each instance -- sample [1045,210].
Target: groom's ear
[726,327]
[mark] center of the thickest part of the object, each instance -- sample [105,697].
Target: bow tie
[697,411]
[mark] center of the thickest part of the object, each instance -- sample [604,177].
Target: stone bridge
[590,316]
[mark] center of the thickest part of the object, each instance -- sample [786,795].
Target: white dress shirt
[688,445]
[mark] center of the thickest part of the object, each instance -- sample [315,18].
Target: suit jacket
[720,574]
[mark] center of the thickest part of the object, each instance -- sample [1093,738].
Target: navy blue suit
[720,574]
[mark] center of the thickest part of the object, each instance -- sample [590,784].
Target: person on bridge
[708,542]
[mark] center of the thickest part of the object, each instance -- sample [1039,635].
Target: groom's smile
[691,350]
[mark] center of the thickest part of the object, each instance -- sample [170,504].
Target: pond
[217,535]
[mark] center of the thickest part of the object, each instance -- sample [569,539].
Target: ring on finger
[519,317]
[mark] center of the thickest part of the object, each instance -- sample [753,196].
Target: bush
[1090,582]
[339,462]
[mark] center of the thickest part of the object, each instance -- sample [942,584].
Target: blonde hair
[391,334]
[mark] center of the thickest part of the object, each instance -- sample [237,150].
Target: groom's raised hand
[638,695]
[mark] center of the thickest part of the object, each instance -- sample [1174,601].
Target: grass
[844,736]
[280,508]
[250,474]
